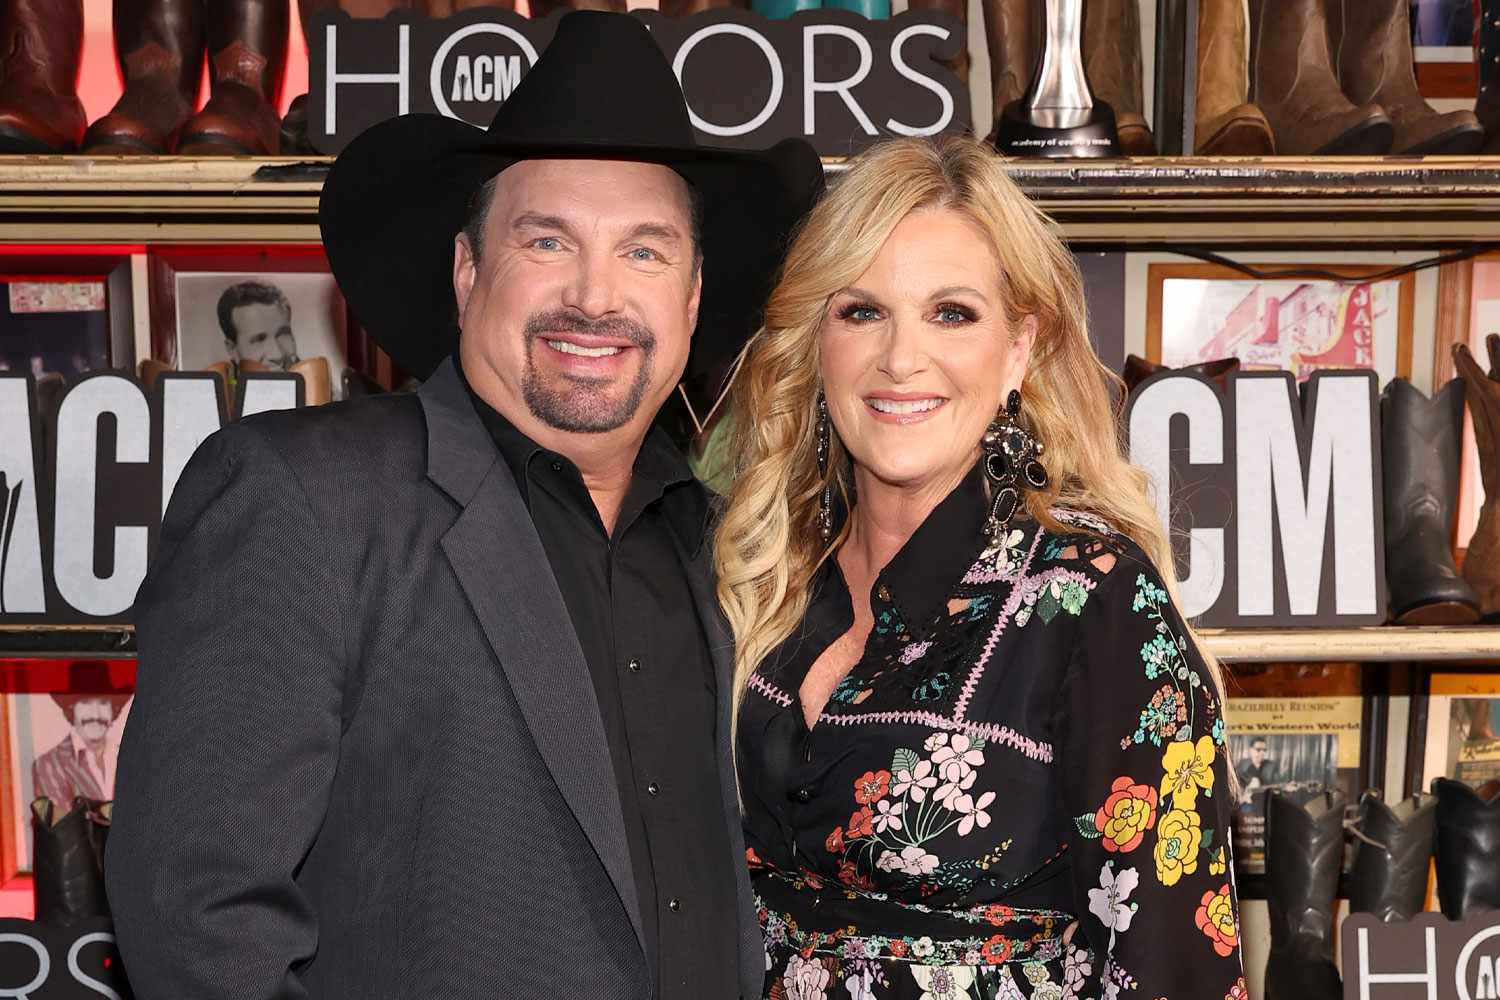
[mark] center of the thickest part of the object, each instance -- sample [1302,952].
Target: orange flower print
[861,823]
[1215,918]
[996,950]
[898,947]
[999,914]
[871,786]
[1126,815]
[835,841]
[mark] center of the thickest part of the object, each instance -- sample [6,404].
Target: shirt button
[673,904]
[556,466]
[635,666]
[653,788]
[803,795]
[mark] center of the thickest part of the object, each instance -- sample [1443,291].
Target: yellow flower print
[1189,767]
[1216,862]
[1179,834]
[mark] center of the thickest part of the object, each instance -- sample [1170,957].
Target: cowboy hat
[92,680]
[401,190]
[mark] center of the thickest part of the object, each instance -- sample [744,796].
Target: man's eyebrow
[536,220]
[656,230]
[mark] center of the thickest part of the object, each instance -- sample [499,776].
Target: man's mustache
[566,321]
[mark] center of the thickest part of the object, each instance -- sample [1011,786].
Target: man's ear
[695,298]
[465,270]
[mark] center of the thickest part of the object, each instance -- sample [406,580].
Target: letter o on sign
[44,966]
[778,82]
[1461,972]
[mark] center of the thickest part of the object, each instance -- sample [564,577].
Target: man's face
[1257,754]
[262,334]
[92,718]
[580,310]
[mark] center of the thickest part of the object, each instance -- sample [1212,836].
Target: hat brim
[399,193]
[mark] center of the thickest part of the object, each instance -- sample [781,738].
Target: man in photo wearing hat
[487,755]
[82,765]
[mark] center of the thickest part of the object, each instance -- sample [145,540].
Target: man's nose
[595,288]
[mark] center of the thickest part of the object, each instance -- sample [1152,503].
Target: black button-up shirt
[630,605]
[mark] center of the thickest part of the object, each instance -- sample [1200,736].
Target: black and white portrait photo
[271,319]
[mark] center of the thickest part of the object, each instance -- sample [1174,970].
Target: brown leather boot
[1376,66]
[1482,391]
[541,8]
[1013,35]
[1227,124]
[1295,86]
[1112,62]
[41,42]
[246,56]
[160,47]
[959,64]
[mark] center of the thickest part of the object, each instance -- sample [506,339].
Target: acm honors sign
[837,79]
[1425,958]
[1279,500]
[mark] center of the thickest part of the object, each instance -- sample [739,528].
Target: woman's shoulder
[1086,543]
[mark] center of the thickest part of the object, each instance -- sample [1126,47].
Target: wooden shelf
[1381,643]
[1328,201]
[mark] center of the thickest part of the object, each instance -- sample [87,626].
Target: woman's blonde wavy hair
[767,543]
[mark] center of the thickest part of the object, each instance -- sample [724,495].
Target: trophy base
[1093,134]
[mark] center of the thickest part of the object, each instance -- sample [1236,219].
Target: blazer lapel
[503,569]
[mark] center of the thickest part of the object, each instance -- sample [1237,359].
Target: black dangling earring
[825,502]
[1011,456]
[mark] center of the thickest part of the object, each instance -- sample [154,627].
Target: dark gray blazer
[365,757]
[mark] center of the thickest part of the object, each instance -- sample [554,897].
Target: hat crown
[603,80]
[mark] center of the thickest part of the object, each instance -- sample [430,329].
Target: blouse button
[803,795]
[883,593]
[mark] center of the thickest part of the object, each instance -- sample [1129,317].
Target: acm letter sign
[1274,499]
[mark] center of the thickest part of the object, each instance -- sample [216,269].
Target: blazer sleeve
[230,749]
[1147,792]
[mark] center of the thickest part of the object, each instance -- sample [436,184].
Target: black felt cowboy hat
[399,193]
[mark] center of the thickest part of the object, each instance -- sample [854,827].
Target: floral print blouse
[1029,742]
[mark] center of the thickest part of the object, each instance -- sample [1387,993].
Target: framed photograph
[62,313]
[1442,36]
[60,728]
[1462,727]
[1203,312]
[272,306]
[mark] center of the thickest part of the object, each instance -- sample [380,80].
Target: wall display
[65,310]
[1201,312]
[830,76]
[1463,728]
[272,307]
[1274,495]
[1300,746]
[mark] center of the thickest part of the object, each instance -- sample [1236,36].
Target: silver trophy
[1058,117]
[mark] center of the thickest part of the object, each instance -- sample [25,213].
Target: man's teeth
[583,352]
[904,405]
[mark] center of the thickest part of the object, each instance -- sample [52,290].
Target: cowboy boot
[541,8]
[1295,86]
[160,47]
[1226,123]
[1419,449]
[1376,66]
[67,879]
[959,64]
[1304,851]
[1482,563]
[1112,62]
[1390,861]
[246,55]
[41,42]
[1013,35]
[1468,847]
[1138,369]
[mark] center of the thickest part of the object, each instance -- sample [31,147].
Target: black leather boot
[1468,847]
[1420,440]
[67,876]
[1390,860]
[1304,851]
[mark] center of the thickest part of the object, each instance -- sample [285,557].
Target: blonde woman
[980,753]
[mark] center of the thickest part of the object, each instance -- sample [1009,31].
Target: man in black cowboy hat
[490,754]
[82,765]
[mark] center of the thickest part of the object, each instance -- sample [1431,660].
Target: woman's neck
[886,516]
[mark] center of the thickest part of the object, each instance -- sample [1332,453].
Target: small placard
[1426,958]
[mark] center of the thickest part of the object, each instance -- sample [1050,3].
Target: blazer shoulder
[345,443]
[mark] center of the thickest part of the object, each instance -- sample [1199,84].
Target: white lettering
[1366,979]
[812,86]
[778,78]
[401,78]
[898,60]
[484,70]
[43,961]
[440,58]
[21,587]
[463,81]
[79,975]
[191,410]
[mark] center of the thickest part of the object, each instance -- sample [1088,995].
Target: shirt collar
[684,498]
[916,584]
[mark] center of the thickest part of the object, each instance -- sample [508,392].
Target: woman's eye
[857,312]
[954,314]
[547,243]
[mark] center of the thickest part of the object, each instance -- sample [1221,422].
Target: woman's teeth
[904,405]
[583,352]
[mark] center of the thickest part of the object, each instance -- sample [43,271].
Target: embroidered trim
[775,694]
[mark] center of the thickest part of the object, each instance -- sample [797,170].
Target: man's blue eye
[546,243]
[642,254]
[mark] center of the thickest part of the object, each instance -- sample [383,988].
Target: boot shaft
[1223,56]
[1291,48]
[1304,854]
[1112,52]
[1467,847]
[41,43]
[1421,440]
[1013,36]
[161,38]
[1372,41]
[247,42]
[1391,857]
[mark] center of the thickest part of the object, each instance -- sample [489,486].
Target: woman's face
[917,356]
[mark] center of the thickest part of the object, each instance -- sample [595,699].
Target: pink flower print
[805,979]
[973,812]
[917,780]
[887,816]
[957,759]
[914,652]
